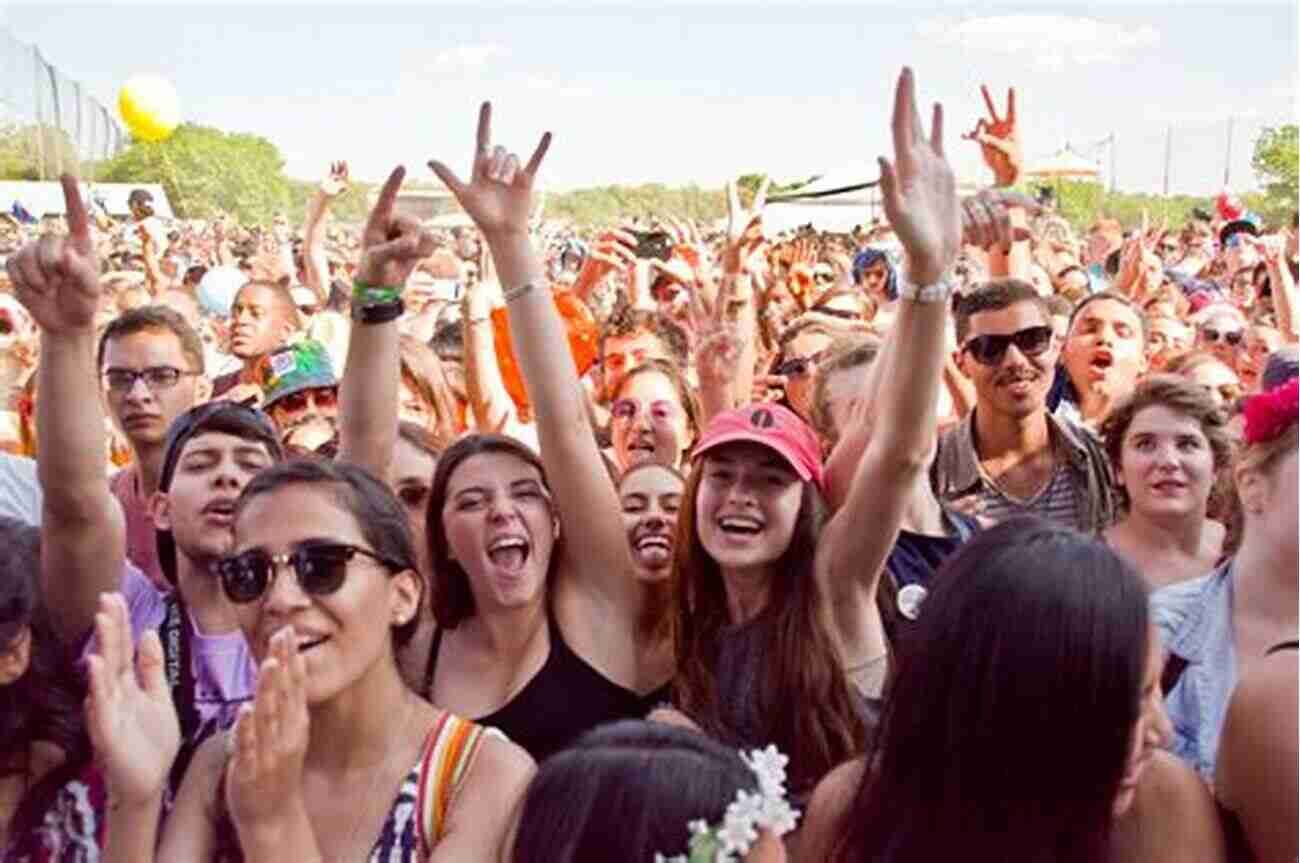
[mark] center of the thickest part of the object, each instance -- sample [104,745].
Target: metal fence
[49,118]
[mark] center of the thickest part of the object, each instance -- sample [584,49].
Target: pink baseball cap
[773,426]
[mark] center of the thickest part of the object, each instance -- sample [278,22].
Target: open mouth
[1169,486]
[509,552]
[1101,362]
[222,510]
[740,526]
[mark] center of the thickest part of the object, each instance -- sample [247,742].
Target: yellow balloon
[150,107]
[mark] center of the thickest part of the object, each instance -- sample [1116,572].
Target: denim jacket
[1195,622]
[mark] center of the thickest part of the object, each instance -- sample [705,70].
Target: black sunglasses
[798,366]
[319,566]
[1232,337]
[989,350]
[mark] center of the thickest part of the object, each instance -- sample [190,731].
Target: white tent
[46,199]
[1065,164]
[829,203]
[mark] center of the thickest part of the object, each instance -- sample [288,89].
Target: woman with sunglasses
[1221,331]
[1167,442]
[336,758]
[653,417]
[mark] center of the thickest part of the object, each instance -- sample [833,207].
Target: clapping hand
[999,140]
[129,713]
[264,775]
[56,277]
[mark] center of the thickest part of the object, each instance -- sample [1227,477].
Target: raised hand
[499,195]
[999,140]
[391,245]
[337,181]
[744,227]
[919,190]
[57,277]
[264,774]
[129,713]
[986,218]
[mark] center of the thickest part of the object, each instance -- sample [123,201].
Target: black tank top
[564,699]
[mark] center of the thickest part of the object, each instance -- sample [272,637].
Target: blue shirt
[1195,622]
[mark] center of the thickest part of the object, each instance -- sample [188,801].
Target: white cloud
[471,56]
[1049,41]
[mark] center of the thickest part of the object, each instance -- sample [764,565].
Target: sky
[679,93]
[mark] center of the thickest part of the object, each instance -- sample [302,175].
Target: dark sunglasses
[325,397]
[989,350]
[1232,337]
[319,567]
[796,367]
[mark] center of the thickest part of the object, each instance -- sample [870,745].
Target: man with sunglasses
[1011,456]
[300,388]
[151,366]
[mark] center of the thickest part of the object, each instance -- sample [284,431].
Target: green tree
[1277,163]
[206,171]
[23,149]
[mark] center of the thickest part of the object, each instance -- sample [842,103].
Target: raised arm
[920,200]
[315,265]
[391,246]
[489,400]
[83,532]
[498,198]
[1285,299]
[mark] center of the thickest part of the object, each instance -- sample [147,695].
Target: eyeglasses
[320,568]
[156,378]
[323,397]
[1232,337]
[797,367]
[989,350]
[627,409]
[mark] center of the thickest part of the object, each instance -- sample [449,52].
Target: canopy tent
[834,201]
[1065,164]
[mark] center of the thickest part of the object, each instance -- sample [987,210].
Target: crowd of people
[963,534]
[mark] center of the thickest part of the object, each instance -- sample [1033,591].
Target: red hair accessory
[1269,414]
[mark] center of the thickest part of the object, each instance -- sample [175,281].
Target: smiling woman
[334,733]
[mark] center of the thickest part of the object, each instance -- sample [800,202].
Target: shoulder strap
[447,759]
[174,634]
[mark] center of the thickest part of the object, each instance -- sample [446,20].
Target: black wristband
[378,313]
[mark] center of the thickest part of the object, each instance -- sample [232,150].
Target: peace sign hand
[744,227]
[999,140]
[499,196]
[391,246]
[919,190]
[337,182]
[57,277]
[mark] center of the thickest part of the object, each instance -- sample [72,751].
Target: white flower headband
[745,816]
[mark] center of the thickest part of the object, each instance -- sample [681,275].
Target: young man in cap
[300,390]
[210,453]
[152,368]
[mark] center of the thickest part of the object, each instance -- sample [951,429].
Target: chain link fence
[48,122]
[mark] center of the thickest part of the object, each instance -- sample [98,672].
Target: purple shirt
[225,673]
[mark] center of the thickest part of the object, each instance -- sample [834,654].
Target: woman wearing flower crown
[1214,626]
[648,791]
[1025,722]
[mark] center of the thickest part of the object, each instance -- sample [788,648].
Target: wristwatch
[938,292]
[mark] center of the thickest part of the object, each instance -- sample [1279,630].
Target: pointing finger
[540,153]
[75,208]
[377,223]
[936,129]
[1011,105]
[901,122]
[448,177]
[483,138]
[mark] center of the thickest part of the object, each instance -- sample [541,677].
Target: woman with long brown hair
[775,607]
